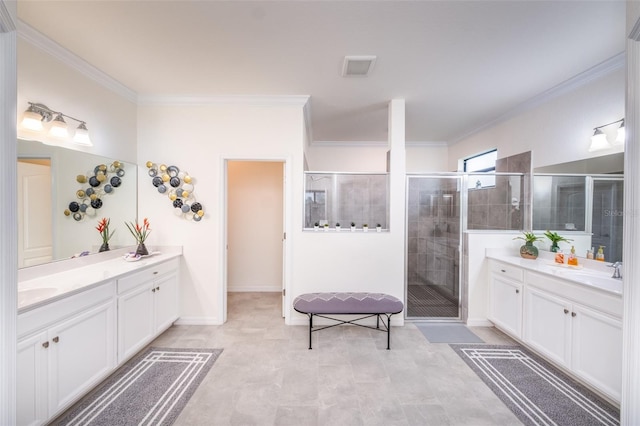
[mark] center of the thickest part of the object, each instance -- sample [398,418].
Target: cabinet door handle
[45,344]
[517,291]
[56,339]
[153,290]
[566,311]
[503,270]
[158,288]
[573,314]
[155,272]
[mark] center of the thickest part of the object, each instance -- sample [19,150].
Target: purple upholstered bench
[367,304]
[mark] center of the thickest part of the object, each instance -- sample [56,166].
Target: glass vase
[104,247]
[142,250]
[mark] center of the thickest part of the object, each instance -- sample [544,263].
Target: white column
[397,193]
[8,215]
[630,408]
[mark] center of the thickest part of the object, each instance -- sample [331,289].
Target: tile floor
[267,376]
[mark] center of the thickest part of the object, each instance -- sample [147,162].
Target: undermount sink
[597,278]
[35,294]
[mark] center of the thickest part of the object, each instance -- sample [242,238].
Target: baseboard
[479,322]
[197,321]
[255,289]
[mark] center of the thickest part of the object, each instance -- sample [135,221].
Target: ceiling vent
[357,66]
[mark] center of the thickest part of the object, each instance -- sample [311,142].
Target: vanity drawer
[147,274]
[509,271]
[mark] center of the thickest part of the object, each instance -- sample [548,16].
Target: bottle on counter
[590,254]
[559,257]
[600,254]
[573,259]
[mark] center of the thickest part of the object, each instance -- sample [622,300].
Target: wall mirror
[47,184]
[582,200]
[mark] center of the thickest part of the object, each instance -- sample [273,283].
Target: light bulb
[599,141]
[59,128]
[82,135]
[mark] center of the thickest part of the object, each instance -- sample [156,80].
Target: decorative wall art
[103,180]
[178,186]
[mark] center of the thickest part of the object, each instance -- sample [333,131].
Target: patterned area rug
[536,392]
[150,389]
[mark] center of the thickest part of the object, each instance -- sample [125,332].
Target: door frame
[461,179]
[287,224]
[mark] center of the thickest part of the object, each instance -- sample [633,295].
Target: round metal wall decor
[178,186]
[102,180]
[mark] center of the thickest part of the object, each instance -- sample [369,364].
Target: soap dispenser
[573,259]
[600,254]
[590,253]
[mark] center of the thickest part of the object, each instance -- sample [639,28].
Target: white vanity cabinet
[64,349]
[147,305]
[579,328]
[505,298]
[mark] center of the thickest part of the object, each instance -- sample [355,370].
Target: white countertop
[46,284]
[589,272]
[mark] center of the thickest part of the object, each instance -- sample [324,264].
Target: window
[481,163]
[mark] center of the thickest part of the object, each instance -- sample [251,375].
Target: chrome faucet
[616,270]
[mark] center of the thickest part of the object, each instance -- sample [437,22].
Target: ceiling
[458,64]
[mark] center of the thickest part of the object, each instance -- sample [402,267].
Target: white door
[284,238]
[597,349]
[506,305]
[35,231]
[548,325]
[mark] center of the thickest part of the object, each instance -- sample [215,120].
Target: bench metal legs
[387,325]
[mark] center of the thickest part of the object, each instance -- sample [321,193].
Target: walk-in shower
[440,208]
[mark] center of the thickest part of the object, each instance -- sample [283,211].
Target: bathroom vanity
[77,325]
[570,316]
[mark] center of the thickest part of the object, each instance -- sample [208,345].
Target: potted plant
[528,250]
[316,226]
[365,227]
[103,229]
[555,239]
[338,226]
[326,227]
[353,227]
[378,228]
[140,233]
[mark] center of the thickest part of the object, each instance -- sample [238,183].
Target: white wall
[373,158]
[111,118]
[427,158]
[255,225]
[557,131]
[347,157]
[215,132]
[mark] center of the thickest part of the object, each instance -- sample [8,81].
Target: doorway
[35,229]
[433,247]
[255,223]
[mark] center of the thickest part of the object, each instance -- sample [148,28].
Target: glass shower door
[433,247]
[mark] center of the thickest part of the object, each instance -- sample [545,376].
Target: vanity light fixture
[37,114]
[599,139]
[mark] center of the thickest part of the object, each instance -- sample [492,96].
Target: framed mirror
[583,201]
[47,184]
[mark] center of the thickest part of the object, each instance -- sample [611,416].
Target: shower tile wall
[502,207]
[434,229]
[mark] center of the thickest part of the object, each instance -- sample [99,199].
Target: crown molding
[425,144]
[594,73]
[349,143]
[257,100]
[44,43]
